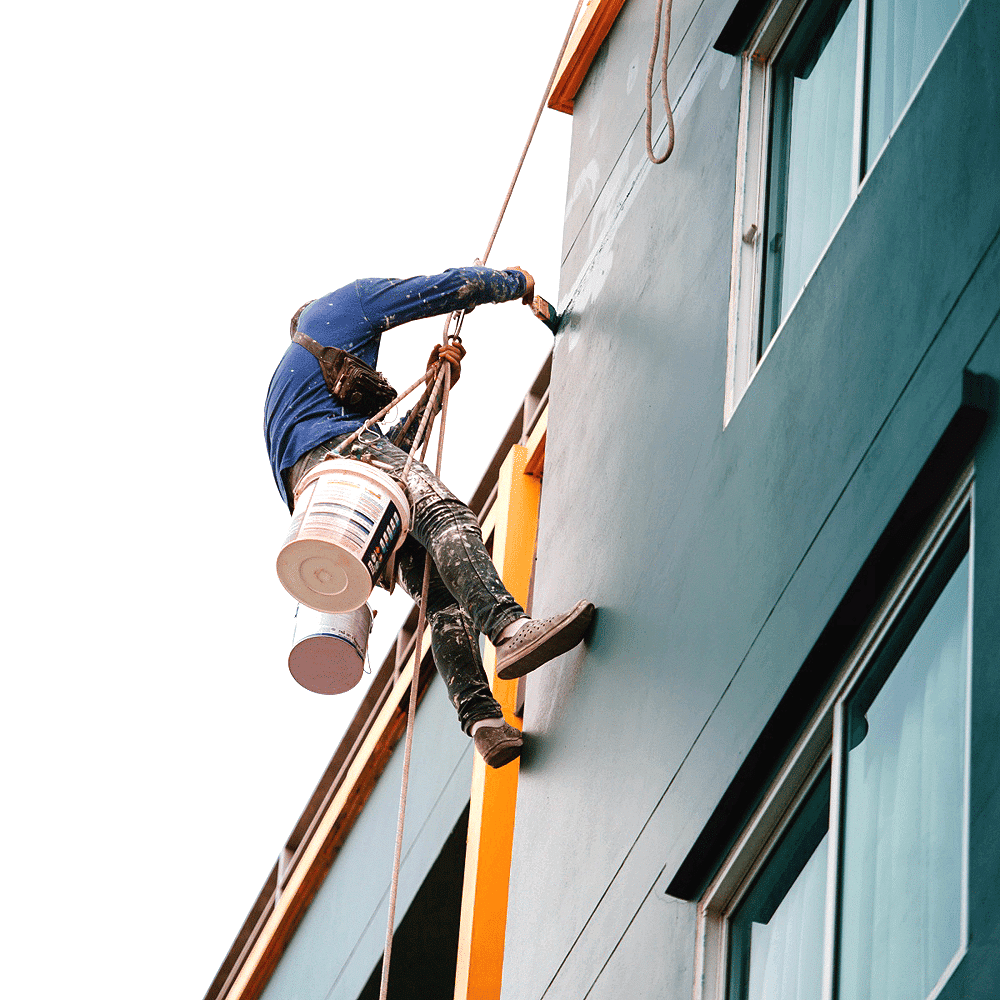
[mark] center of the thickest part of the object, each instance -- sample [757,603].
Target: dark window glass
[776,948]
[904,36]
[902,876]
[817,121]
[812,129]
[899,871]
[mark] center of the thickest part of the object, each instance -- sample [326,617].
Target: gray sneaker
[537,642]
[498,745]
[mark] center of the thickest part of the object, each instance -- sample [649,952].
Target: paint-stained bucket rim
[335,574]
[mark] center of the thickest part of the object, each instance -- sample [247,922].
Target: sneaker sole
[547,647]
[504,755]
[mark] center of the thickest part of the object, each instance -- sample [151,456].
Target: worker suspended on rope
[304,422]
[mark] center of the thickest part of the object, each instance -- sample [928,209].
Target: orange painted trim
[591,30]
[490,842]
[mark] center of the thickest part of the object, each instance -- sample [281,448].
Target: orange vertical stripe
[494,791]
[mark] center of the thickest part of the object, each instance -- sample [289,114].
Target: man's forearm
[393,302]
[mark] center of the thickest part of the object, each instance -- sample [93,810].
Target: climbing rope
[663,80]
[441,381]
[534,125]
[441,384]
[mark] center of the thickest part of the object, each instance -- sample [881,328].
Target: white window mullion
[859,98]
[967,791]
[747,226]
[833,854]
[751,183]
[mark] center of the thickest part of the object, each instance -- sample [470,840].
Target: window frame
[753,162]
[774,164]
[821,746]
[780,19]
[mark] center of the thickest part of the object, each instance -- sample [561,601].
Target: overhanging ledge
[591,30]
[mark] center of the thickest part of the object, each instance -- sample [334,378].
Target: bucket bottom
[326,664]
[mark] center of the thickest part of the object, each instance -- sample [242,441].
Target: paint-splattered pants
[465,597]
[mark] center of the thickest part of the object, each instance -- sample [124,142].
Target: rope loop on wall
[663,81]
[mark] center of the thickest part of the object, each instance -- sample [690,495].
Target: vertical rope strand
[442,383]
[411,713]
[347,442]
[534,125]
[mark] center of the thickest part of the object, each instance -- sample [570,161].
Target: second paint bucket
[328,651]
[349,517]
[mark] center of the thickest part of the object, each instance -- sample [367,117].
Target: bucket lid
[322,576]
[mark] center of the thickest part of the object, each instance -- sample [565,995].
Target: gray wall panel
[608,144]
[828,569]
[665,928]
[625,353]
[607,107]
[707,549]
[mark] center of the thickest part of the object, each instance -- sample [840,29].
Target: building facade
[769,454]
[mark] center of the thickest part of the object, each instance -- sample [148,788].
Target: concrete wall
[717,556]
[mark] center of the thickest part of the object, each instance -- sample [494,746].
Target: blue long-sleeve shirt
[300,413]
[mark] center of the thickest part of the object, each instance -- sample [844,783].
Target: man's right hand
[453,354]
[529,295]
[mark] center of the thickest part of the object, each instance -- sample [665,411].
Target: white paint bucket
[328,651]
[349,518]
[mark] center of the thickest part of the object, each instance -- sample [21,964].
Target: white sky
[178,179]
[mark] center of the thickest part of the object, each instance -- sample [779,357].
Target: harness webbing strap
[331,354]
